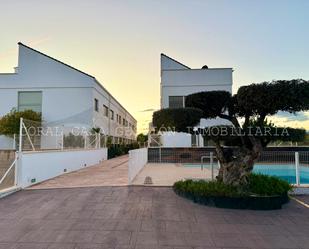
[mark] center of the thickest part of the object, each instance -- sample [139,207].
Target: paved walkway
[141,218]
[166,174]
[113,172]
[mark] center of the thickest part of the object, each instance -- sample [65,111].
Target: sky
[120,41]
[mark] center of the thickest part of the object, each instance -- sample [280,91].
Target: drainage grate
[148,180]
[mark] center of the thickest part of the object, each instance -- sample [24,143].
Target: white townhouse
[178,81]
[64,95]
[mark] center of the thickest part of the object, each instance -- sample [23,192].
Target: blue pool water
[283,171]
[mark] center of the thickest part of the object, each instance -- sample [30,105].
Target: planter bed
[261,193]
[246,202]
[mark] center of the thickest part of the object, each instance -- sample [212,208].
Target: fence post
[212,164]
[14,142]
[99,145]
[20,135]
[160,156]
[297,168]
[62,140]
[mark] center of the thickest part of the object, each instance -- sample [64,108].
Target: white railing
[137,160]
[8,171]
[292,166]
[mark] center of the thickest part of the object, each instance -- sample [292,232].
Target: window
[119,121]
[105,110]
[112,114]
[194,140]
[176,101]
[123,122]
[96,105]
[30,101]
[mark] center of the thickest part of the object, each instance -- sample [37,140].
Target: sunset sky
[119,42]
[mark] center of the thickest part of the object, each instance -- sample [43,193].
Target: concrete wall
[6,143]
[35,167]
[137,160]
[175,139]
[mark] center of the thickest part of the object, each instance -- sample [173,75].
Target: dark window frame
[96,104]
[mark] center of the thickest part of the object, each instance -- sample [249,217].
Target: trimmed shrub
[262,193]
[264,185]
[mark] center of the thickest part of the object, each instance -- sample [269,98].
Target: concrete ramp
[113,172]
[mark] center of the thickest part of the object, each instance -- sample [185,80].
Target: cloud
[300,116]
[148,110]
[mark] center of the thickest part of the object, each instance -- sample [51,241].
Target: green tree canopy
[9,123]
[246,110]
[179,119]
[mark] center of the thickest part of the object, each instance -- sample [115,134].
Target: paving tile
[141,218]
[7,246]
[226,240]
[78,236]
[92,246]
[146,239]
[171,239]
[128,225]
[149,225]
[281,241]
[42,236]
[177,226]
[198,239]
[32,246]
[112,238]
[61,246]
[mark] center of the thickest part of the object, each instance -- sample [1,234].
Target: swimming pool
[283,171]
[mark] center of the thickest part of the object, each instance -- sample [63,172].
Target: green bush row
[120,149]
[261,185]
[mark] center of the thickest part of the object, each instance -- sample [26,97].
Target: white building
[178,81]
[64,95]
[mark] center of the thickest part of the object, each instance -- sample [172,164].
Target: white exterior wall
[137,160]
[67,93]
[42,166]
[112,127]
[179,80]
[175,139]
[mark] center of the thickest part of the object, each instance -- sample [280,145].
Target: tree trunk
[236,172]
[235,169]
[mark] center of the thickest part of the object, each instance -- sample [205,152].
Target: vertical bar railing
[297,168]
[20,135]
[211,154]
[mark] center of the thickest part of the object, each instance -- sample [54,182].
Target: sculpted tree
[248,132]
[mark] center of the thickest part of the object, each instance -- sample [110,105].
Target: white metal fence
[8,172]
[41,136]
[292,166]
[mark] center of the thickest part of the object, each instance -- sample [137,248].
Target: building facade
[178,81]
[64,95]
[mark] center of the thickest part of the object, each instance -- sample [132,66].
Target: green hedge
[261,185]
[120,149]
[262,193]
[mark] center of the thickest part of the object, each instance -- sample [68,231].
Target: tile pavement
[141,218]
